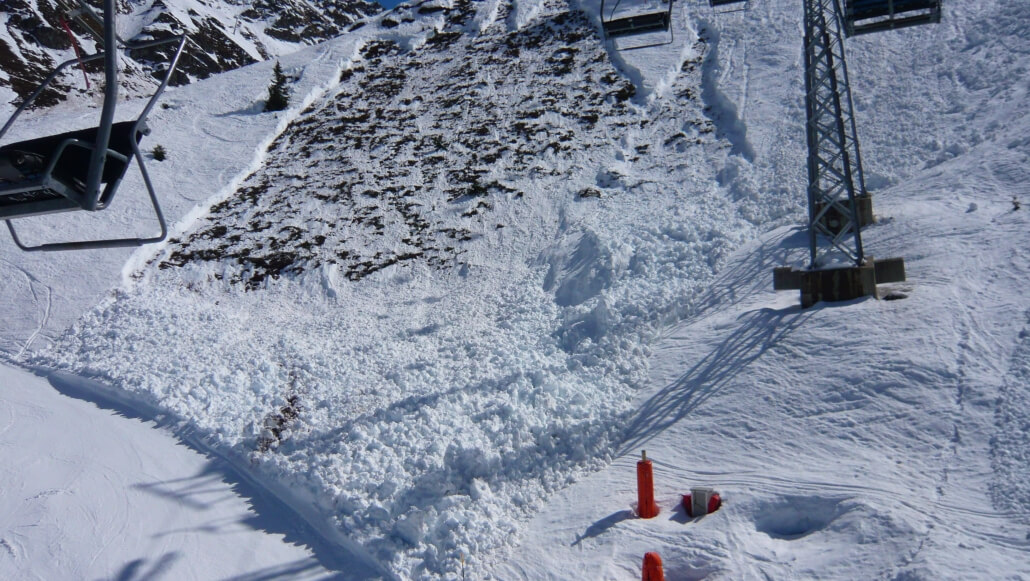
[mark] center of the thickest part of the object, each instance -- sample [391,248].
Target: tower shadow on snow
[757,332]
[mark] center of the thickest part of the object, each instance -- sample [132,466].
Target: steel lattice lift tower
[838,203]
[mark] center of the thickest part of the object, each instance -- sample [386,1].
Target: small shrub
[159,153]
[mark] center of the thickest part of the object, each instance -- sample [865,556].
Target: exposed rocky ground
[223,35]
[417,149]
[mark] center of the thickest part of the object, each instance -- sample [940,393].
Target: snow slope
[292,368]
[457,315]
[177,515]
[865,440]
[91,493]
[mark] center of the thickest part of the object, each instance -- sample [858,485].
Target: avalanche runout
[431,306]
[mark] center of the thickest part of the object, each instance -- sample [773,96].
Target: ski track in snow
[492,413]
[40,305]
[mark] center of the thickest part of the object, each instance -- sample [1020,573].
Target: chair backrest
[49,174]
[875,8]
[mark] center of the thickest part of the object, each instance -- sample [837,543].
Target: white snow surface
[483,420]
[95,492]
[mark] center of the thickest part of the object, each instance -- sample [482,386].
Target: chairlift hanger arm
[173,63]
[95,23]
[99,156]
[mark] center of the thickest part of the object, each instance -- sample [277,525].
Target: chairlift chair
[867,16]
[632,22]
[81,170]
[728,6]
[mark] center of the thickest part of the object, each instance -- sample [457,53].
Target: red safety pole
[653,568]
[646,506]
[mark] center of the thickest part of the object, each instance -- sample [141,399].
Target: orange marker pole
[653,568]
[646,506]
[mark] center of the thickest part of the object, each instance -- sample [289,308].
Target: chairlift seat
[81,170]
[49,174]
[637,24]
[641,20]
[728,6]
[867,16]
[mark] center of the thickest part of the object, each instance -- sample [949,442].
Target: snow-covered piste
[88,494]
[440,305]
